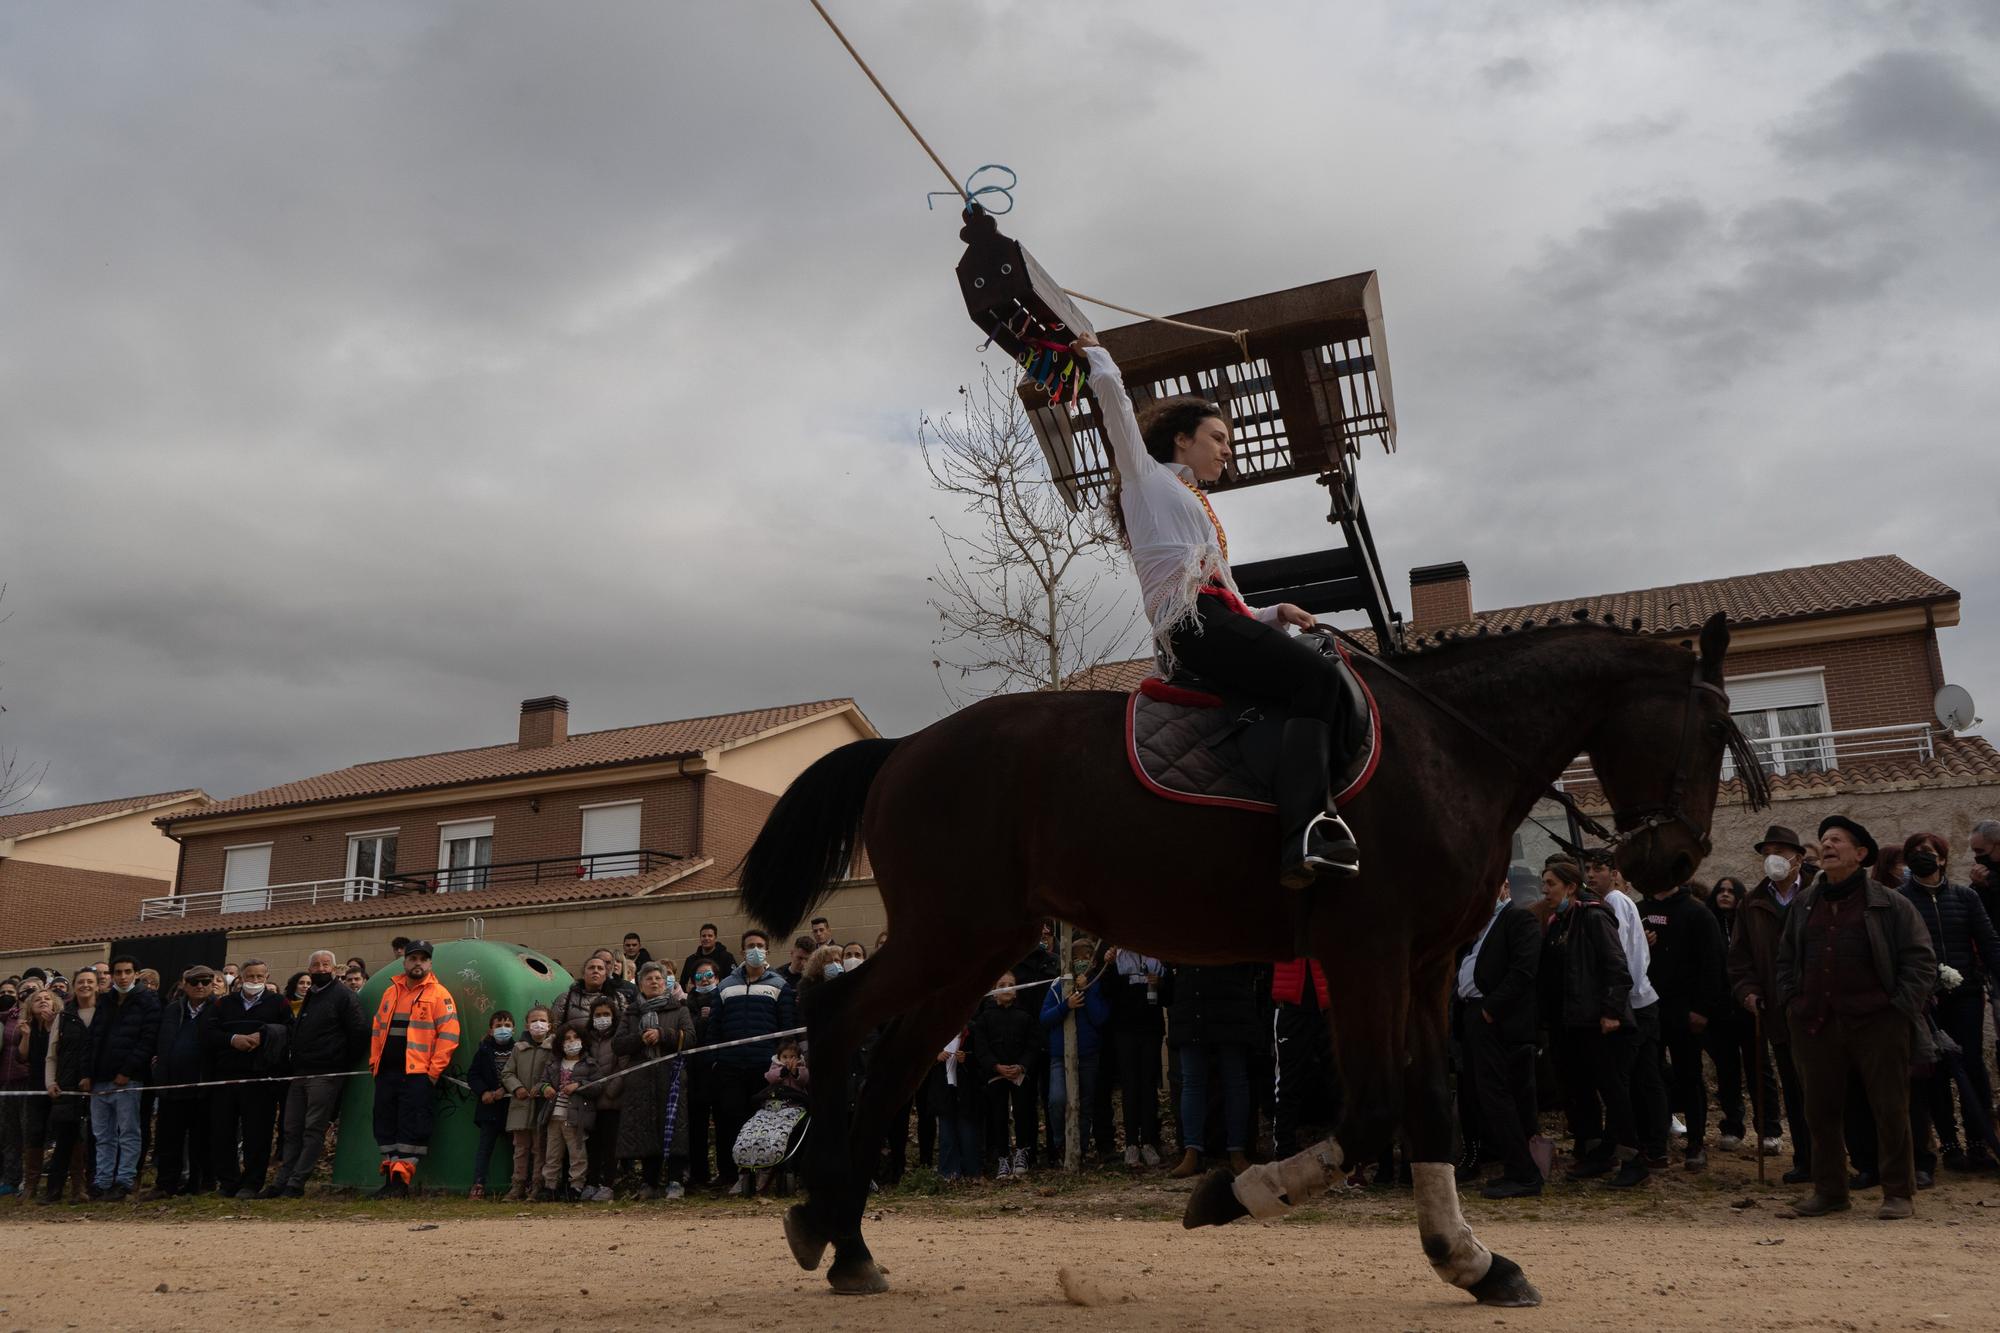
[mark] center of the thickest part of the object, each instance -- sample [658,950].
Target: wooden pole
[1072,1065]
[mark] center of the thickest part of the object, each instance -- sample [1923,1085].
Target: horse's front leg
[1455,1254]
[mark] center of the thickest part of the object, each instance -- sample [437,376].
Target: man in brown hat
[1753,977]
[1855,970]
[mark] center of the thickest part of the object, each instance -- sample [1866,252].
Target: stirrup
[1326,844]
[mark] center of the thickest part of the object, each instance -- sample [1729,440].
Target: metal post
[1072,1064]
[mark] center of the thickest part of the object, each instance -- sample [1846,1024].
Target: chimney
[544,721]
[1440,595]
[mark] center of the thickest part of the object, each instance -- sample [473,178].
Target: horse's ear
[1714,645]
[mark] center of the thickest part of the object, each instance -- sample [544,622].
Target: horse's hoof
[1505,1285]
[858,1277]
[808,1244]
[1214,1201]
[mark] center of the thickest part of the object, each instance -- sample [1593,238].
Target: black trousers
[1582,1110]
[1962,1015]
[181,1144]
[700,1111]
[1504,1074]
[249,1112]
[1003,1097]
[1612,1058]
[1743,1074]
[1690,1089]
[67,1134]
[1792,1088]
[1306,1091]
[1139,1083]
[603,1145]
[1649,1085]
[734,1091]
[404,1118]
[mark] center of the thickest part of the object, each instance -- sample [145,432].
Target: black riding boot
[1315,838]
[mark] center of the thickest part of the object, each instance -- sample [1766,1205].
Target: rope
[1238,336]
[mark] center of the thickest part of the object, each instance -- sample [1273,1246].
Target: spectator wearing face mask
[600,1038]
[708,950]
[1753,968]
[13,1078]
[1006,1040]
[702,1004]
[38,1028]
[330,1036]
[753,1002]
[570,1115]
[1964,939]
[653,1124]
[490,1100]
[522,1076]
[122,1041]
[246,1041]
[1137,1026]
[960,1107]
[1092,1010]
[410,1045]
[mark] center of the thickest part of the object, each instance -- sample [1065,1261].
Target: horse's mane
[1457,637]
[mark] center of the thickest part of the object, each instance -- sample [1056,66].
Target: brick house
[1832,672]
[556,841]
[82,865]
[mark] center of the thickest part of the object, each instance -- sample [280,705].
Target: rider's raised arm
[1107,383]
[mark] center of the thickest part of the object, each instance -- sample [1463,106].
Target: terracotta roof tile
[26,822]
[1957,761]
[548,893]
[1876,582]
[592,749]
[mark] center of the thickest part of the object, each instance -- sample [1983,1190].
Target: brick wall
[41,902]
[1438,601]
[1890,815]
[1873,682]
[731,817]
[314,848]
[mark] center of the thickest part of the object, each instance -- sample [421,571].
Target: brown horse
[1022,807]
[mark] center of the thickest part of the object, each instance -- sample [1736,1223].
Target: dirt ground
[1688,1252]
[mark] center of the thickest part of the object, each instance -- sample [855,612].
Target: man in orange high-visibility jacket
[416,1031]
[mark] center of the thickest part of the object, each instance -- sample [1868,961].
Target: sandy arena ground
[1679,1256]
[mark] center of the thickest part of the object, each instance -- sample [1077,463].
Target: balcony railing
[1814,752]
[446,879]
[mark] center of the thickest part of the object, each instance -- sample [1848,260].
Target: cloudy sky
[367,368]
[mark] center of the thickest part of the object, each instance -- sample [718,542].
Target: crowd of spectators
[1836,1019]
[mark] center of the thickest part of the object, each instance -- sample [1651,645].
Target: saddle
[1189,740]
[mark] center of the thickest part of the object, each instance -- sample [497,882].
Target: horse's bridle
[1633,821]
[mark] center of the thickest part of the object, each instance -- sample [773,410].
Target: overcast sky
[367,368]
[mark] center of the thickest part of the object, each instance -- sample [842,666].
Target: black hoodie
[1687,966]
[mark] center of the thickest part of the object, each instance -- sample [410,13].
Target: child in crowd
[483,1077]
[607,1100]
[789,1081]
[960,1103]
[521,1077]
[571,1114]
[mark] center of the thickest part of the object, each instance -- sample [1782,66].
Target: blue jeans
[959,1150]
[1230,1064]
[114,1119]
[1086,1072]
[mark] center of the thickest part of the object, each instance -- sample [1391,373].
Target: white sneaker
[1149,1154]
[1772,1143]
[1006,1167]
[1020,1161]
[1131,1157]
[675,1190]
[1729,1143]
[1678,1126]
[741,1187]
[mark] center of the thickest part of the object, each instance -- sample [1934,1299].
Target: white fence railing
[1814,752]
[224,901]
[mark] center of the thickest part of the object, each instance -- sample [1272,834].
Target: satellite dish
[1954,708]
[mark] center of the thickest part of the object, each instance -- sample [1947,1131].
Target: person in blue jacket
[1092,1007]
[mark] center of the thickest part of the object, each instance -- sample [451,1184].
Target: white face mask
[601,1024]
[252,988]
[538,1030]
[572,1049]
[1777,868]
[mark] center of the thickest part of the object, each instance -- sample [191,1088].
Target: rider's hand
[1295,616]
[1083,340]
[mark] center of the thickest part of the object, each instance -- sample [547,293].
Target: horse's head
[1659,757]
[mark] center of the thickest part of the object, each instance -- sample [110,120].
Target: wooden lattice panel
[1315,386]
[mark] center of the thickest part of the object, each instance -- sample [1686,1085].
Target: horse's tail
[809,840]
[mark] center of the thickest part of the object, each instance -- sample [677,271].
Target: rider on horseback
[1182,558]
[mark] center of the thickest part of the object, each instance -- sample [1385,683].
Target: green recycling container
[483,976]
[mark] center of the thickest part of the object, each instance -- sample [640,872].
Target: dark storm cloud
[371,367]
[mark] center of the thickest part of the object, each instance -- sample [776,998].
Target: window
[1784,715]
[246,878]
[465,849]
[370,855]
[610,840]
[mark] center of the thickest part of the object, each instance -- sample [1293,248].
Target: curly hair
[1161,422]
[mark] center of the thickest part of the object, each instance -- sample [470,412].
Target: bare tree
[18,781]
[1019,595]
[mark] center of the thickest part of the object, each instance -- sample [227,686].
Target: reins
[1648,817]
